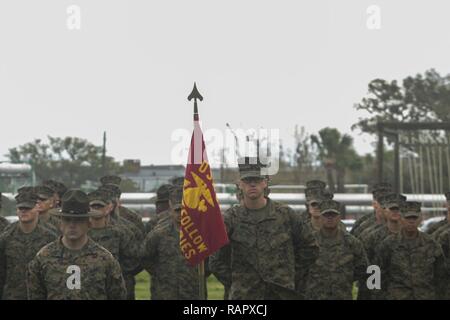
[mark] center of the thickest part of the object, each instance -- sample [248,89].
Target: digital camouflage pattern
[411,269]
[356,229]
[54,223]
[151,224]
[121,245]
[371,240]
[133,217]
[48,225]
[443,228]
[269,255]
[367,223]
[367,227]
[444,241]
[100,274]
[17,249]
[435,226]
[342,260]
[137,237]
[172,277]
[3,223]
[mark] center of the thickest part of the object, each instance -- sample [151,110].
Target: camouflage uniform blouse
[51,274]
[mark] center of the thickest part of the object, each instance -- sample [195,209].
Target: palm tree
[337,154]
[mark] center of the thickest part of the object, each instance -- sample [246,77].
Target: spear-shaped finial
[195,95]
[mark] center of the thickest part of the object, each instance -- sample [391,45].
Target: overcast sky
[270,64]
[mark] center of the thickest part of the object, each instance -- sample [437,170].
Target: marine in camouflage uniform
[342,259]
[373,236]
[436,226]
[124,212]
[270,251]
[64,270]
[112,237]
[3,221]
[311,184]
[46,205]
[135,234]
[172,277]
[58,190]
[162,206]
[371,219]
[444,241]
[315,193]
[436,229]
[412,264]
[19,245]
[369,226]
[41,222]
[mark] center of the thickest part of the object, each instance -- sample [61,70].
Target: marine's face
[43,204]
[410,223]
[27,215]
[393,213]
[313,208]
[330,220]
[105,210]
[74,228]
[253,187]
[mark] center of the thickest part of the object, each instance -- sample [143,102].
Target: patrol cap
[410,209]
[176,197]
[26,189]
[26,200]
[162,194]
[381,186]
[249,167]
[392,200]
[99,197]
[44,192]
[56,186]
[316,195]
[315,184]
[111,179]
[378,194]
[112,188]
[75,204]
[330,206]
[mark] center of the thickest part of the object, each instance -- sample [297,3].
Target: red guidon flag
[202,229]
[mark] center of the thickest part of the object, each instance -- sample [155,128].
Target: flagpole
[201,281]
[201,267]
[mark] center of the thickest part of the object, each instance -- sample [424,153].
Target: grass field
[215,288]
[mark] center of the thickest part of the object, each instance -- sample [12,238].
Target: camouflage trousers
[130,283]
